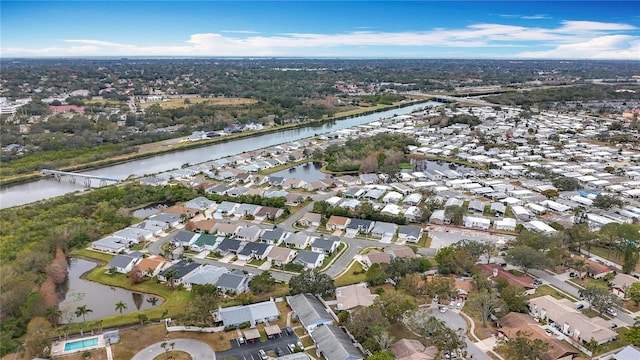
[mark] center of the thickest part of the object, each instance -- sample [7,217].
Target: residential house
[206,275]
[337,223]
[391,210]
[384,230]
[172,220]
[278,256]
[123,263]
[629,352]
[299,240]
[203,226]
[498,209]
[438,217]
[521,213]
[477,206]
[369,178]
[274,236]
[178,271]
[495,271]
[201,203]
[254,250]
[597,270]
[250,233]
[157,227]
[413,199]
[134,235]
[564,316]
[293,199]
[375,194]
[410,233]
[310,219]
[507,224]
[413,214]
[205,242]
[404,252]
[184,238]
[233,282]
[184,213]
[335,344]
[229,246]
[410,349]
[352,296]
[310,311]
[227,207]
[268,213]
[362,226]
[309,259]
[262,312]
[392,197]
[111,244]
[152,265]
[477,222]
[246,210]
[513,323]
[325,246]
[375,257]
[223,229]
[621,283]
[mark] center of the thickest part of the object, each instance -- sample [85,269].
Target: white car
[612,312]
[443,309]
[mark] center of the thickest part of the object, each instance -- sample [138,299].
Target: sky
[354,29]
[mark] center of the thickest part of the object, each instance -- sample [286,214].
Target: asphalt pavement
[249,350]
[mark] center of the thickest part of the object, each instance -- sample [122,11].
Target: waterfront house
[179,270]
[123,263]
[233,282]
[206,275]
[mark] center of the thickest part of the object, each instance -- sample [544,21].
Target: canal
[46,188]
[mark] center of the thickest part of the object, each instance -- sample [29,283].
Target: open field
[175,103]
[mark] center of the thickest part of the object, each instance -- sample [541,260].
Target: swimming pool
[80,344]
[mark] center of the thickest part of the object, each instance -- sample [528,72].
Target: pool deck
[57,348]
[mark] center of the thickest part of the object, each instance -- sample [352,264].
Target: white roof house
[508,224]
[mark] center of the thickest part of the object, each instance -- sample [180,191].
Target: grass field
[348,277]
[174,103]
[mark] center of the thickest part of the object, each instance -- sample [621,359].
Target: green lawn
[97,255]
[548,290]
[616,344]
[348,277]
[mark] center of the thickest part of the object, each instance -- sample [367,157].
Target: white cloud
[571,39]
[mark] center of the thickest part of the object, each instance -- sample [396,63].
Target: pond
[101,299]
[308,172]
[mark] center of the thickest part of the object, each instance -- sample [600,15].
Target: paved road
[197,349]
[455,321]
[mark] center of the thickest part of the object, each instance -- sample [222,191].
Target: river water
[101,299]
[48,188]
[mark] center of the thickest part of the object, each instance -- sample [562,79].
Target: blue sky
[386,29]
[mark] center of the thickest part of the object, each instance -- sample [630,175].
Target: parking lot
[249,350]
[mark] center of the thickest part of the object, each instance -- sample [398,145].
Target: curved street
[197,349]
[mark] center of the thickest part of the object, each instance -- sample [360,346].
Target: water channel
[306,172]
[101,299]
[47,188]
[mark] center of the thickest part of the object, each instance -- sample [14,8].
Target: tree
[205,299]
[365,324]
[83,311]
[422,323]
[455,214]
[312,281]
[633,292]
[522,347]
[607,201]
[453,260]
[53,314]
[514,298]
[262,283]
[527,258]
[170,274]
[38,338]
[142,318]
[485,302]
[599,298]
[381,355]
[376,275]
[630,255]
[475,249]
[580,266]
[450,341]
[633,334]
[394,304]
[441,287]
[121,306]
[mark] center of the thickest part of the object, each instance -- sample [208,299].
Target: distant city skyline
[602,30]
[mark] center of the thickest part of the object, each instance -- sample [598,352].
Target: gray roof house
[333,343]
[325,246]
[172,220]
[310,311]
[498,208]
[111,244]
[298,240]
[261,312]
[227,246]
[184,238]
[182,268]
[233,282]
[134,234]
[384,230]
[207,274]
[254,250]
[410,233]
[156,227]
[273,237]
[437,217]
[476,205]
[200,203]
[359,226]
[227,207]
[123,263]
[309,259]
[250,233]
[246,209]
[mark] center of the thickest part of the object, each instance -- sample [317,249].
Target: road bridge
[57,174]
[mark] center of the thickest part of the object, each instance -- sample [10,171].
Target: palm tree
[121,306]
[83,311]
[53,314]
[170,275]
[143,318]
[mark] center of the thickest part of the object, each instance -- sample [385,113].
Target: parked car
[612,312]
[573,274]
[288,330]
[280,351]
[263,354]
[443,309]
[537,282]
[292,348]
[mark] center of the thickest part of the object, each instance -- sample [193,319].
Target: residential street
[455,321]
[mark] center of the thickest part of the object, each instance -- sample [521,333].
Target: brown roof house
[375,257]
[620,284]
[409,349]
[495,271]
[310,219]
[337,223]
[512,323]
[279,256]
[351,296]
[597,270]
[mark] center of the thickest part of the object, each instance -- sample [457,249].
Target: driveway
[455,321]
[197,349]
